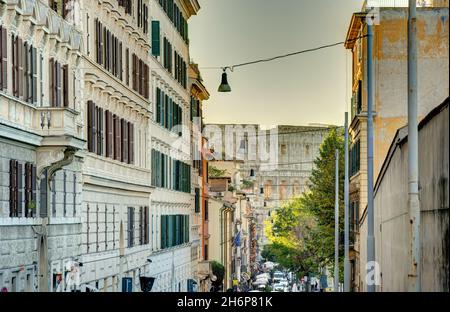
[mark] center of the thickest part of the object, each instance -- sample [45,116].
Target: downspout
[43,277]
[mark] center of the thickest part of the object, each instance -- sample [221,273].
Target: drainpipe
[413,154]
[43,266]
[370,264]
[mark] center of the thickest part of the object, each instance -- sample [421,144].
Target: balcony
[58,127]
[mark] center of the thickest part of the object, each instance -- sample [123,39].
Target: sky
[299,90]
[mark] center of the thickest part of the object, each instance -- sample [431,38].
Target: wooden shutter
[20,67]
[127,66]
[130,143]
[34,73]
[124,140]
[166,111]
[99,131]
[91,126]
[58,84]
[27,188]
[3,59]
[120,56]
[65,88]
[19,189]
[156,41]
[109,134]
[12,188]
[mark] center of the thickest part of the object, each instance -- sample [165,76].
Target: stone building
[95,151]
[41,146]
[390,97]
[172,201]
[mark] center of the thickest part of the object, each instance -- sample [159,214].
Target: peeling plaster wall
[390,60]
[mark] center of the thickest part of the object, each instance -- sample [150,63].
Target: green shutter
[158,105]
[170,113]
[163,232]
[156,41]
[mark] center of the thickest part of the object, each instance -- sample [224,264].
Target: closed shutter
[58,78]
[100,131]
[91,126]
[156,42]
[33,189]
[43,202]
[124,141]
[130,143]
[109,134]
[127,66]
[120,62]
[158,105]
[3,59]
[166,111]
[34,73]
[19,192]
[20,62]
[12,188]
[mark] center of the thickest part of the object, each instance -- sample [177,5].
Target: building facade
[200,219]
[95,145]
[41,147]
[390,98]
[173,200]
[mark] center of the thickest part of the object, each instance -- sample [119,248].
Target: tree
[302,230]
[219,271]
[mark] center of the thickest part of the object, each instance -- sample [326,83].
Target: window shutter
[20,62]
[116,136]
[91,126]
[19,189]
[33,187]
[166,111]
[127,66]
[158,105]
[109,134]
[130,143]
[124,141]
[156,42]
[12,188]
[99,131]
[119,138]
[34,73]
[65,76]
[58,84]
[3,59]
[120,62]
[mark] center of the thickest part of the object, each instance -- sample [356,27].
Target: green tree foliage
[215,172]
[302,230]
[219,271]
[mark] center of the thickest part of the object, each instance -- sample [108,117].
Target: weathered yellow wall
[390,107]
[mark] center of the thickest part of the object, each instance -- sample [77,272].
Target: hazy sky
[301,89]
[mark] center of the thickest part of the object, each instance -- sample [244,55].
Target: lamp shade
[224,86]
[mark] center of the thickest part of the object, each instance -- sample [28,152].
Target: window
[59,84]
[206,252]
[142,16]
[167,60]
[109,50]
[176,16]
[197,200]
[143,226]
[174,230]
[118,132]
[127,5]
[354,159]
[3,59]
[130,227]
[206,210]
[140,80]
[62,7]
[15,181]
[156,44]
[168,113]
